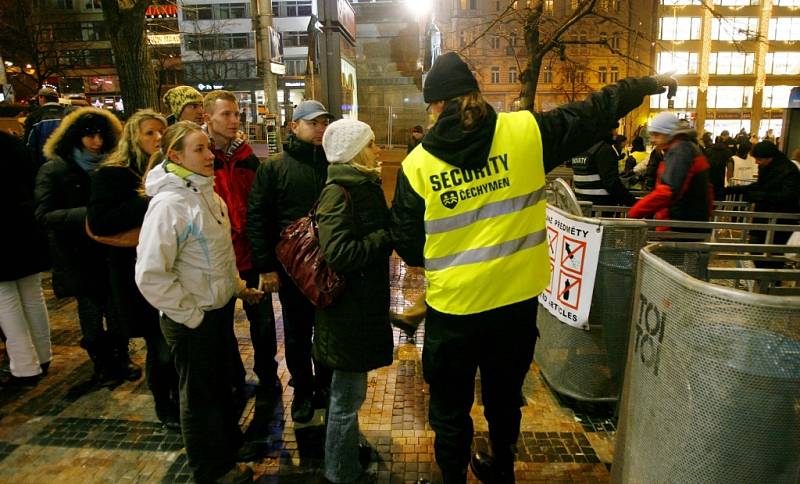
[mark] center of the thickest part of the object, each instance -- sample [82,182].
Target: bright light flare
[420,7]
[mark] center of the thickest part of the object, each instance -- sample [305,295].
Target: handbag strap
[347,201]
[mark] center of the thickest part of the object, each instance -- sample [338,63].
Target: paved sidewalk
[64,430]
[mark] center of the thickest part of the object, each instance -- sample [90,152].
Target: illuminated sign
[164,39]
[161,11]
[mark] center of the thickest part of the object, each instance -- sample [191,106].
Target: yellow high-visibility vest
[485,234]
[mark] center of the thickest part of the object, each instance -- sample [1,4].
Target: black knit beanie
[765,149]
[448,78]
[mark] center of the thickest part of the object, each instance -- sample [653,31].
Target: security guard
[470,208]
[596,174]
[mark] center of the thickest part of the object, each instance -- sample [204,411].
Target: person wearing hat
[777,189]
[42,123]
[416,138]
[353,336]
[470,207]
[80,268]
[596,175]
[285,189]
[683,188]
[185,103]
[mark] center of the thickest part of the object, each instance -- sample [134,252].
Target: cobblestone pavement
[65,430]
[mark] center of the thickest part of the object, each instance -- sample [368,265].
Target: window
[90,5]
[603,37]
[576,76]
[93,31]
[548,7]
[233,41]
[295,38]
[776,96]
[786,3]
[292,8]
[199,42]
[602,74]
[462,39]
[198,12]
[734,28]
[679,28]
[610,5]
[731,63]
[231,10]
[614,74]
[295,67]
[685,98]
[494,42]
[512,75]
[783,63]
[469,4]
[730,96]
[785,28]
[583,38]
[679,62]
[547,76]
[615,37]
[495,75]
[735,3]
[680,2]
[85,58]
[512,40]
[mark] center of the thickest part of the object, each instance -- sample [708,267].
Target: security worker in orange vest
[470,207]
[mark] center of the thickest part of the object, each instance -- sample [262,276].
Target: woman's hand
[251,295]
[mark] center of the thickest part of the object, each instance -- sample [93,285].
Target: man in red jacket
[683,190]
[235,167]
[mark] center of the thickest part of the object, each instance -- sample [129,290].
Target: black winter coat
[354,333]
[24,245]
[79,263]
[719,157]
[116,206]
[777,188]
[285,189]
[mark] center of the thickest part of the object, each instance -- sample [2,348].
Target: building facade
[737,61]
[596,51]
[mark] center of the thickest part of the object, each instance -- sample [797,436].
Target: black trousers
[500,343]
[209,422]
[262,333]
[298,330]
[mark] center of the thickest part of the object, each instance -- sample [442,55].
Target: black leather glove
[666,80]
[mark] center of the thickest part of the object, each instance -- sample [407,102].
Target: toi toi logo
[649,333]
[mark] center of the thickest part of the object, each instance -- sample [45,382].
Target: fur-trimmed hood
[58,146]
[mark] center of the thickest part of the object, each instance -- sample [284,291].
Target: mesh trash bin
[712,384]
[588,365]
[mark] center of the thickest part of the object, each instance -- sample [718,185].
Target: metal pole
[262,21]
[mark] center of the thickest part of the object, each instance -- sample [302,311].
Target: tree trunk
[126,25]
[535,57]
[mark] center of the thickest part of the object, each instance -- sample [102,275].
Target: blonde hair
[211,98]
[173,140]
[472,108]
[128,153]
[363,163]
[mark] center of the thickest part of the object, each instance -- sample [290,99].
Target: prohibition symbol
[569,290]
[552,242]
[573,253]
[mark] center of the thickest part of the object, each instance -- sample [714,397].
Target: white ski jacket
[185,263]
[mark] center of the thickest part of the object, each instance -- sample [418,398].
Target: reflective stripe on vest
[586,178]
[485,228]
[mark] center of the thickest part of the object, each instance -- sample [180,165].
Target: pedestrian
[23,313]
[596,175]
[777,190]
[470,207]
[416,138]
[683,190]
[235,167]
[42,123]
[63,190]
[353,336]
[185,103]
[744,165]
[117,205]
[285,189]
[720,161]
[186,268]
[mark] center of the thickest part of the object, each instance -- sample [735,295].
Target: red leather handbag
[299,253]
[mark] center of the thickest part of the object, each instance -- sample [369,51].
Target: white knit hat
[345,138]
[664,123]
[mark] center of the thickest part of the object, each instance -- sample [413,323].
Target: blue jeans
[348,390]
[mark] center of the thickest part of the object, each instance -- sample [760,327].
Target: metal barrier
[712,382]
[588,365]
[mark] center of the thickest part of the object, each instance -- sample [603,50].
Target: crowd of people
[157,226]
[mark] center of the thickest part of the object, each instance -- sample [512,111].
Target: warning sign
[574,249]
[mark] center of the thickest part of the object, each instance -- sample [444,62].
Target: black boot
[98,353]
[489,471]
[120,363]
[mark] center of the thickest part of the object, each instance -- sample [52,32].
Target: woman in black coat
[116,205]
[353,335]
[63,188]
[23,313]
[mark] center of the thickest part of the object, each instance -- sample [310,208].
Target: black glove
[666,80]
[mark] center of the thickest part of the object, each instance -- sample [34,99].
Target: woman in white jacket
[186,269]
